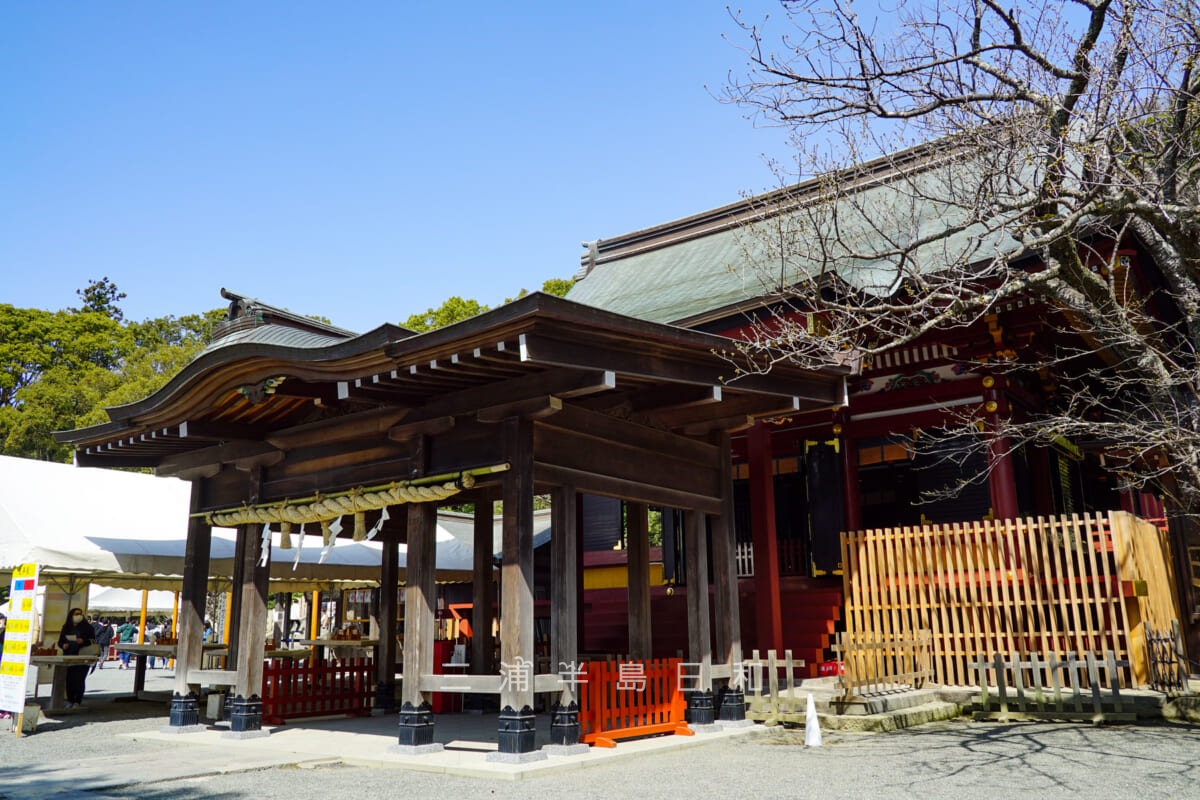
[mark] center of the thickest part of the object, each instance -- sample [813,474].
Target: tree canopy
[960,155]
[61,369]
[456,309]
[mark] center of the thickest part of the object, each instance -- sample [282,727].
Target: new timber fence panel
[1078,585]
[874,666]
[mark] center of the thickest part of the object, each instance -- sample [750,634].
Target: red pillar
[768,618]
[850,488]
[1003,483]
[1001,479]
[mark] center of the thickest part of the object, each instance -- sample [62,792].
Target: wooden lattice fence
[871,665]
[1077,584]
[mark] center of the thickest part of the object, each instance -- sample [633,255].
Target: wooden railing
[1060,585]
[1037,690]
[871,665]
[294,689]
[770,699]
[1168,667]
[631,698]
[744,555]
[791,558]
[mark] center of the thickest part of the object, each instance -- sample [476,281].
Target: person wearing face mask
[76,634]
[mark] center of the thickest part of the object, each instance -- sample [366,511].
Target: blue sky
[363,161]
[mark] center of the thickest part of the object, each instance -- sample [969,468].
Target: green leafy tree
[456,309]
[60,370]
[101,297]
[558,286]
[453,310]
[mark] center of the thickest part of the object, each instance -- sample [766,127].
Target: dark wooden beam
[385,660]
[338,429]
[724,567]
[674,396]
[219,431]
[419,601]
[217,454]
[192,598]
[564,588]
[426,427]
[699,629]
[248,463]
[516,572]
[562,383]
[638,568]
[325,393]
[532,408]
[815,389]
[483,591]
[732,424]
[603,427]
[623,489]
[734,405]
[84,459]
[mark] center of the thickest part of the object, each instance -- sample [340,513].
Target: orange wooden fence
[1077,584]
[631,698]
[294,689]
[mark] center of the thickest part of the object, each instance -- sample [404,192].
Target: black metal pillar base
[700,708]
[245,714]
[733,706]
[385,698]
[517,730]
[564,724]
[185,710]
[416,725]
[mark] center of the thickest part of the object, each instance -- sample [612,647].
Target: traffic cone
[812,728]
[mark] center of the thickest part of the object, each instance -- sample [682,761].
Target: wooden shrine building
[803,478]
[284,421]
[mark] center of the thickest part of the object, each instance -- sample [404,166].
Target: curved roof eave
[371,340]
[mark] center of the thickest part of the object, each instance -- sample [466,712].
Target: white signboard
[18,638]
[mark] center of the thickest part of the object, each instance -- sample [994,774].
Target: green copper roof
[736,255]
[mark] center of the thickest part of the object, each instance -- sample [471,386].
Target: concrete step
[881,704]
[932,711]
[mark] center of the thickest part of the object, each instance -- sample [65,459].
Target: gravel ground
[94,732]
[956,759]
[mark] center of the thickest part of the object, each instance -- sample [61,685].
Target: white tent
[128,530]
[54,515]
[108,599]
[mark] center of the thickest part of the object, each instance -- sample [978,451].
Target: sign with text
[18,638]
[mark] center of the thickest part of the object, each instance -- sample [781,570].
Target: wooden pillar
[416,714]
[579,623]
[245,717]
[1001,480]
[385,655]
[517,720]
[564,605]
[732,707]
[850,487]
[185,705]
[483,592]
[235,596]
[699,681]
[638,570]
[769,620]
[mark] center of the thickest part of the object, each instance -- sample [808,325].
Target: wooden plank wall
[1045,585]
